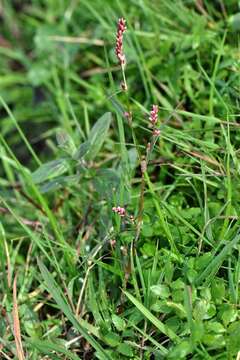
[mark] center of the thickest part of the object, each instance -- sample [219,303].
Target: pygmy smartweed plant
[153,117]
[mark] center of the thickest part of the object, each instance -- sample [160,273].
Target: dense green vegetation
[78,281]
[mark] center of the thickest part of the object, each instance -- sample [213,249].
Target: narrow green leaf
[161,348]
[82,150]
[98,135]
[58,183]
[65,142]
[156,322]
[117,105]
[50,170]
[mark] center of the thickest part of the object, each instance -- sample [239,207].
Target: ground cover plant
[119,197]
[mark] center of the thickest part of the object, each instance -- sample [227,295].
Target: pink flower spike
[119,41]
[154,115]
[119,210]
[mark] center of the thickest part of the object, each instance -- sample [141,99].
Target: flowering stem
[125,87]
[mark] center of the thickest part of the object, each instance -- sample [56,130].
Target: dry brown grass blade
[204,158]
[16,323]
[8,264]
[77,40]
[5,356]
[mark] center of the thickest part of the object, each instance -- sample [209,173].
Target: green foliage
[162,281]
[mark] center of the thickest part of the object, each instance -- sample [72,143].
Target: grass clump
[119,230]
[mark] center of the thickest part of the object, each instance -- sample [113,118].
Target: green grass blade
[155,321]
[12,117]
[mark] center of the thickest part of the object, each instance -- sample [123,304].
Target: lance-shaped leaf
[96,138]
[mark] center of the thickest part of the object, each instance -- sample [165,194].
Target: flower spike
[119,41]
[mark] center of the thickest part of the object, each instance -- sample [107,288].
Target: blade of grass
[155,321]
[213,79]
[26,142]
[162,349]
[28,179]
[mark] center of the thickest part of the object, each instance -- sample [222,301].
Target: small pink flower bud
[128,116]
[156,132]
[112,242]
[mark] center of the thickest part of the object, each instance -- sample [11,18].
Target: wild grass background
[76,280]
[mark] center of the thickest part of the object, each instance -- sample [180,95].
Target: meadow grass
[119,237]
